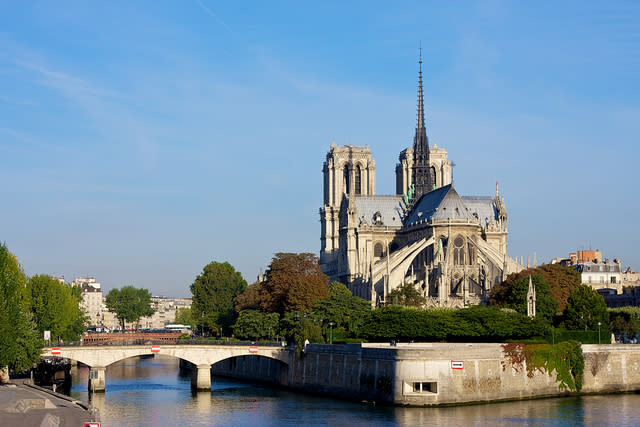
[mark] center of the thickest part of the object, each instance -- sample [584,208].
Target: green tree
[20,342]
[301,327]
[252,324]
[214,292]
[562,281]
[546,305]
[294,282]
[406,294]
[184,317]
[585,308]
[343,309]
[129,304]
[55,308]
[250,298]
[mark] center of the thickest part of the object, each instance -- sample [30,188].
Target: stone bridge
[201,357]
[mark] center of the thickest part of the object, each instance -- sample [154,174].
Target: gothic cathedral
[452,248]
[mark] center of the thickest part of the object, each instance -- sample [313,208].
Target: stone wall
[423,373]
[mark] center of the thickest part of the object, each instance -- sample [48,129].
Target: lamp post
[599,332]
[202,325]
[330,332]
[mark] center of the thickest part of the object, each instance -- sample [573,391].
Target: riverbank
[433,374]
[25,404]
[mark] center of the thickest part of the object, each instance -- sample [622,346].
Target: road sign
[55,350]
[95,424]
[253,349]
[47,335]
[457,364]
[155,348]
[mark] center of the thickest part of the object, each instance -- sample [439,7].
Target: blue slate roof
[390,209]
[483,206]
[441,203]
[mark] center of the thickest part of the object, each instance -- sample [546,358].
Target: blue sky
[141,140]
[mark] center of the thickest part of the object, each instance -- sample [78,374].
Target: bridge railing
[131,339]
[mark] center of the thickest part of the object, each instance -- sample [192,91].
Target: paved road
[23,404]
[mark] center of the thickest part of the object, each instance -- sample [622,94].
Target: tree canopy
[250,298]
[585,308]
[214,292]
[294,282]
[184,317]
[562,281]
[20,342]
[252,324]
[129,304]
[343,309]
[55,308]
[406,294]
[546,305]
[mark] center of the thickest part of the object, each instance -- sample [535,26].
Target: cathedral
[452,248]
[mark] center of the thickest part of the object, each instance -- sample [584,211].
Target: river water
[153,392]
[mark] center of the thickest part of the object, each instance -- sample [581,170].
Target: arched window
[432,175]
[345,177]
[458,251]
[377,250]
[358,180]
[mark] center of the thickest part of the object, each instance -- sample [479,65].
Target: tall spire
[421,173]
[420,118]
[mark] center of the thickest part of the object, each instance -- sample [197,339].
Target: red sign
[253,349]
[92,424]
[55,350]
[457,364]
[155,348]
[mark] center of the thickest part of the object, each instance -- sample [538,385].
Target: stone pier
[96,378]
[201,377]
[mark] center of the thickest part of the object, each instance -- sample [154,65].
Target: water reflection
[154,392]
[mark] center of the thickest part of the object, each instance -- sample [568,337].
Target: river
[153,392]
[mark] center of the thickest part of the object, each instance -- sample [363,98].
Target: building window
[377,250]
[613,279]
[358,179]
[601,279]
[458,251]
[345,177]
[421,387]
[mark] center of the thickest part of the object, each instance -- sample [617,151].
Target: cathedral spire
[420,118]
[421,174]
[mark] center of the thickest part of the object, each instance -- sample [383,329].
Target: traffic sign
[253,349]
[155,348]
[457,364]
[55,350]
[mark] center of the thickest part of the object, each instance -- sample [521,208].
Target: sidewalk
[24,404]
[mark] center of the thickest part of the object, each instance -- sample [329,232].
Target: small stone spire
[531,299]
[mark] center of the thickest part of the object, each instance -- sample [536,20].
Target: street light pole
[599,332]
[202,325]
[330,332]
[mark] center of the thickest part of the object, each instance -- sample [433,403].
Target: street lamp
[330,332]
[599,332]
[202,325]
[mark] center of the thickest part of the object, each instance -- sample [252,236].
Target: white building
[601,275]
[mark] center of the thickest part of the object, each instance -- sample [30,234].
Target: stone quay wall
[431,373]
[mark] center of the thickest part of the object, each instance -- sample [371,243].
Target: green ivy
[565,358]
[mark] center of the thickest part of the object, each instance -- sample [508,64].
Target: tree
[343,309]
[252,324]
[546,305]
[184,317]
[54,308]
[250,298]
[20,342]
[299,328]
[585,308]
[562,281]
[214,292]
[406,294]
[129,304]
[294,282]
